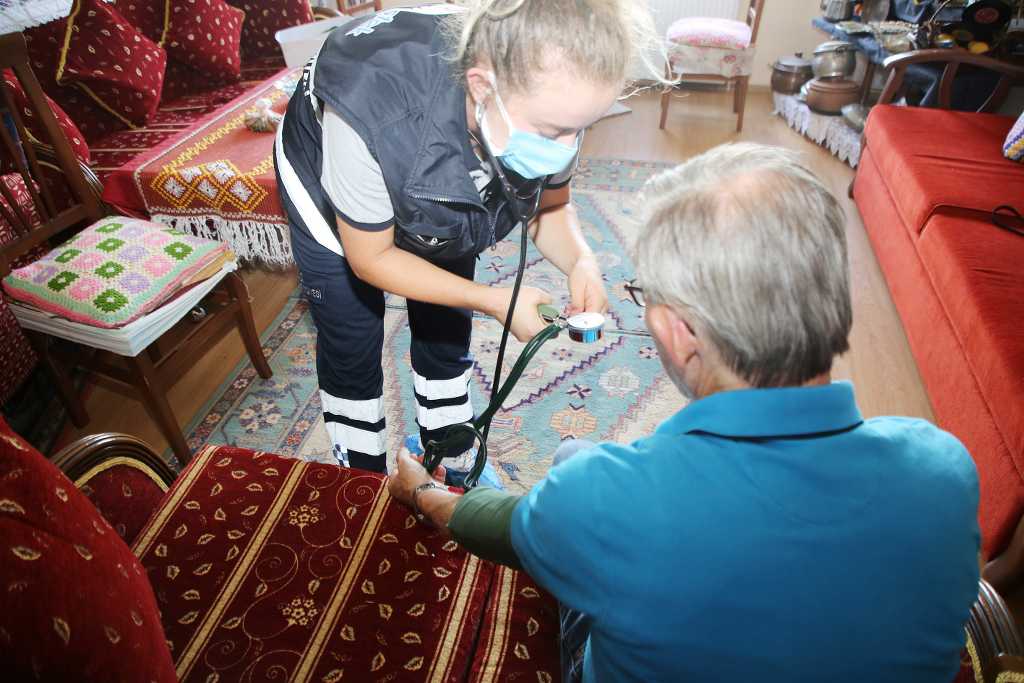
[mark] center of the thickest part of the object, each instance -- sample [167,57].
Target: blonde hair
[597,40]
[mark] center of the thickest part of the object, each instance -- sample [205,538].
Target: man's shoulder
[924,449]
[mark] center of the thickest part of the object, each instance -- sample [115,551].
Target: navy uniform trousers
[349,318]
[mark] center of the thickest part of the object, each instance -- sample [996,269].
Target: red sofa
[927,183]
[251,566]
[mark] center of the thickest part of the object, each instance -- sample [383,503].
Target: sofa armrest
[123,478]
[897,67]
[997,644]
[83,456]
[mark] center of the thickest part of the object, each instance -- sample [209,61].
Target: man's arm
[480,520]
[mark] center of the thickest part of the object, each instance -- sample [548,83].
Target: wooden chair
[1009,74]
[723,38]
[181,340]
[355,7]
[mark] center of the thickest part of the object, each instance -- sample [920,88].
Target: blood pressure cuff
[482,524]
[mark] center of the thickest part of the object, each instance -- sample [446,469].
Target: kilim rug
[614,389]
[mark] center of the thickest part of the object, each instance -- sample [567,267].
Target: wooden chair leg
[736,97]
[247,326]
[741,100]
[61,379]
[153,396]
[665,99]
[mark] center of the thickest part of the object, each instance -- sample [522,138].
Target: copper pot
[830,95]
[791,72]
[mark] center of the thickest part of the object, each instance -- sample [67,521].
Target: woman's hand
[409,473]
[586,288]
[526,322]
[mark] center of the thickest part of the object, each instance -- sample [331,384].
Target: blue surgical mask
[530,155]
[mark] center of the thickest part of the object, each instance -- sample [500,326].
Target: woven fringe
[267,243]
[829,131]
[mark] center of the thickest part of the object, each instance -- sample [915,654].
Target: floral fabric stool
[716,49]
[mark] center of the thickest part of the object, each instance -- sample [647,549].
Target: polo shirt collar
[754,413]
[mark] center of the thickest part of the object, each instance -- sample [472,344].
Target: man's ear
[672,333]
[478,83]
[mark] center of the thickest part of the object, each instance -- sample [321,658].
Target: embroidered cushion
[113,272]
[205,35]
[35,127]
[77,604]
[112,62]
[45,44]
[264,18]
[1013,148]
[710,32]
[146,15]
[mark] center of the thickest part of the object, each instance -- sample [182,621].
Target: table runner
[216,180]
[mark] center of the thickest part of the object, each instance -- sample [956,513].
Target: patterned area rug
[614,389]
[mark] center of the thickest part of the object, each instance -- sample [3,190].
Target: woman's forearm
[408,275]
[376,260]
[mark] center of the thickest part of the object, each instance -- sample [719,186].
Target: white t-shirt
[354,183]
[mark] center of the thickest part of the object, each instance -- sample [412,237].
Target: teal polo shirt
[763,534]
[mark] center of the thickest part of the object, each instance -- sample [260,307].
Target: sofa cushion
[717,32]
[35,126]
[77,604]
[111,61]
[44,48]
[519,638]
[270,567]
[932,158]
[149,16]
[975,268]
[205,35]
[113,272]
[264,18]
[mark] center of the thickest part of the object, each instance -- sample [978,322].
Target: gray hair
[598,40]
[753,246]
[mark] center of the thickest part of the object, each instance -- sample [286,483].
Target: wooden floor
[879,362]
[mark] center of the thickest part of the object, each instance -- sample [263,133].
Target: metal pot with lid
[834,59]
[790,72]
[830,95]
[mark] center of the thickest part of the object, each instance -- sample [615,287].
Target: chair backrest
[1009,74]
[56,212]
[358,6]
[753,18]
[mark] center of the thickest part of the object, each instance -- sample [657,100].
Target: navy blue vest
[387,78]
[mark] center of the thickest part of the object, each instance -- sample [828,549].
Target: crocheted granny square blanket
[113,272]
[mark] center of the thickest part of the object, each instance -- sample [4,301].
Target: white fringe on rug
[268,243]
[830,132]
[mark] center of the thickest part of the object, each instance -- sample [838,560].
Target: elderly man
[766,531]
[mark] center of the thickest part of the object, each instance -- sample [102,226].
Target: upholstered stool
[715,49]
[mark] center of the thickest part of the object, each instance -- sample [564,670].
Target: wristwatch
[416,493]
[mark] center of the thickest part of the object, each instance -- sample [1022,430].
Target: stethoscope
[584,328]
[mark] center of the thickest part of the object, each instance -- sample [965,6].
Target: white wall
[785,29]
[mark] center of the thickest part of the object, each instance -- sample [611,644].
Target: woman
[416,139]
